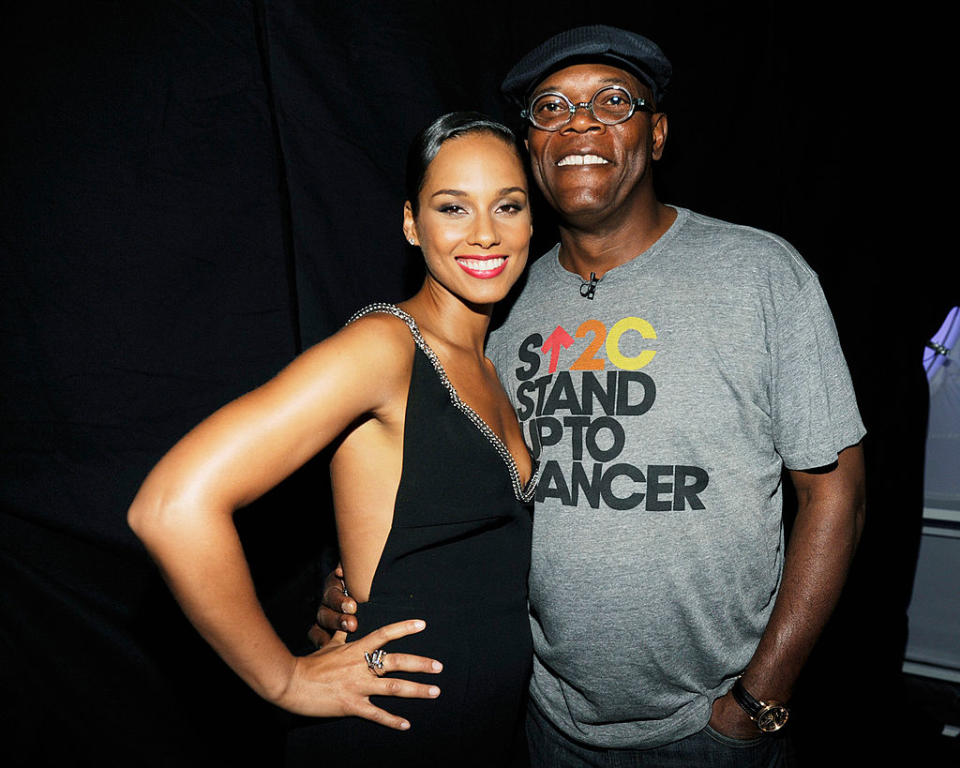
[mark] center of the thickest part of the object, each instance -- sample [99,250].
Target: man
[665,367]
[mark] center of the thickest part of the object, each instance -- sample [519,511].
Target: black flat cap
[598,43]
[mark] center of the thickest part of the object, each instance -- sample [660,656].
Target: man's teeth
[482,264]
[582,160]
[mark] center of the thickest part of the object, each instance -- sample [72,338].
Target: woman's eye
[510,208]
[450,208]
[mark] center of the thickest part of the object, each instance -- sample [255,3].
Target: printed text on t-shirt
[552,408]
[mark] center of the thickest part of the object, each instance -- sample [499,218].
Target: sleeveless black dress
[457,556]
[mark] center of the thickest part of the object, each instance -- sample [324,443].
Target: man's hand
[337,680]
[336,612]
[729,719]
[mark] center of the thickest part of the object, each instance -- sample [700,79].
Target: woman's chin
[479,292]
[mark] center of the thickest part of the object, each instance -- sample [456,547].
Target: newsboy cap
[597,43]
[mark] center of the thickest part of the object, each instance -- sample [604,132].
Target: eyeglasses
[610,105]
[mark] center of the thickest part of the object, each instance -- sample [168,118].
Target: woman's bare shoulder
[378,334]
[392,329]
[377,345]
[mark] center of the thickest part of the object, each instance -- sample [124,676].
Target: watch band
[769,716]
[746,701]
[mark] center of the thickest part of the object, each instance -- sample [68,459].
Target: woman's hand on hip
[338,680]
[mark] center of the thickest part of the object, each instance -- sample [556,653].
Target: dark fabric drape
[145,283]
[192,192]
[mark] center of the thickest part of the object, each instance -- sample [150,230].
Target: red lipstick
[483,266]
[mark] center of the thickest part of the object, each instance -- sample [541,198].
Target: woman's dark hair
[449,126]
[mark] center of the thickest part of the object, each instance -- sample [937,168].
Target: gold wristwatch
[769,716]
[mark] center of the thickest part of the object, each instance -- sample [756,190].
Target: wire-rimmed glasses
[610,105]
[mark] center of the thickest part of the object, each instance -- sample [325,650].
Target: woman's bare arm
[184,515]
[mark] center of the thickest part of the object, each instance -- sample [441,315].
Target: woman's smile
[483,266]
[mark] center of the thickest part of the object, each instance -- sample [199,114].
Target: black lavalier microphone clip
[587,289]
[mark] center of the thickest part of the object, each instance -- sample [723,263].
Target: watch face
[772,718]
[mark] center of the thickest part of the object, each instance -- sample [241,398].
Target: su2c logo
[588,360]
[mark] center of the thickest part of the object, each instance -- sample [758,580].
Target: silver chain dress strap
[521,493]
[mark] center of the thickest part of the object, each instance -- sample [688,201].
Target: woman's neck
[455,323]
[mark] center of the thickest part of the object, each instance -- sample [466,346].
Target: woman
[430,478]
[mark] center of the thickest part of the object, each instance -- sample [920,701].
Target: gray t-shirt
[663,411]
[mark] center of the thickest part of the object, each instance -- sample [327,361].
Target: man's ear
[660,128]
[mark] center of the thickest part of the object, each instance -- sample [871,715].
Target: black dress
[457,556]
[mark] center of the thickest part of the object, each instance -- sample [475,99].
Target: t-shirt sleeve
[496,353]
[493,353]
[815,410]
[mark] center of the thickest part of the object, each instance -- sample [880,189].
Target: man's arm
[830,516]
[336,612]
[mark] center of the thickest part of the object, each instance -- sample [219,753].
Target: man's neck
[600,248]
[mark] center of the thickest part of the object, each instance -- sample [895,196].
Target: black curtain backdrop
[192,192]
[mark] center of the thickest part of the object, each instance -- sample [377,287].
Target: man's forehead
[589,74]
